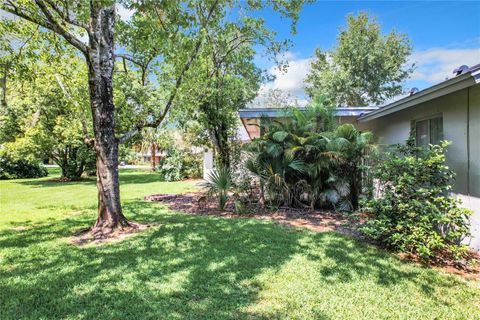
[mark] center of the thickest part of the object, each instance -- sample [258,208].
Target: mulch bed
[315,220]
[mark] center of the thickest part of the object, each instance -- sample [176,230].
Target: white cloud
[124,13]
[437,64]
[292,79]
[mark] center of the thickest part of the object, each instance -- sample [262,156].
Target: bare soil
[86,236]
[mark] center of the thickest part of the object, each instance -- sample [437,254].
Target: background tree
[278,98]
[167,36]
[18,46]
[156,139]
[364,68]
[225,80]
[48,99]
[274,98]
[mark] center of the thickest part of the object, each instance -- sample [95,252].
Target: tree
[364,68]
[154,139]
[48,100]
[169,35]
[277,98]
[274,98]
[225,80]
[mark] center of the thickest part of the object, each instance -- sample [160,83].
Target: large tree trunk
[100,59]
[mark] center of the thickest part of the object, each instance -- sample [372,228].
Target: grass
[194,267]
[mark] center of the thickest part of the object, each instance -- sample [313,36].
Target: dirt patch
[160,197]
[85,236]
[315,220]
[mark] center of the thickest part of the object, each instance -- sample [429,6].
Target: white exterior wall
[207,163]
[461,125]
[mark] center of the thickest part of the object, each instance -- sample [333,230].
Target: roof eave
[281,112]
[458,83]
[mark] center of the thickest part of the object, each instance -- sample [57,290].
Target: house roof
[280,112]
[466,78]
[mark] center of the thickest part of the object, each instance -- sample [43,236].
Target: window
[428,131]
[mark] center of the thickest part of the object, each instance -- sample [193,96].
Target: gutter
[458,83]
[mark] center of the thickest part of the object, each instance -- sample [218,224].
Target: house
[251,117]
[449,110]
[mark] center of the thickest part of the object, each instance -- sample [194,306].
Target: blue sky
[444,35]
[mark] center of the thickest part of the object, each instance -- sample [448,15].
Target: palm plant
[219,183]
[306,161]
[353,144]
[153,140]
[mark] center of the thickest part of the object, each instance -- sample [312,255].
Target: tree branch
[86,137]
[130,58]
[130,134]
[56,27]
[49,23]
[24,14]
[65,15]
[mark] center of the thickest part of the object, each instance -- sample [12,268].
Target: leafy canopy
[366,67]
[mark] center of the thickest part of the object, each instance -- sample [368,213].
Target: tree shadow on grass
[184,267]
[353,260]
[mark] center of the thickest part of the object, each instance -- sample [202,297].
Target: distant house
[251,117]
[449,110]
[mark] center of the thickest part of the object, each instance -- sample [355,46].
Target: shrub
[180,164]
[76,161]
[414,212]
[19,168]
[219,183]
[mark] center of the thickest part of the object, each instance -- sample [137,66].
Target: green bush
[76,161]
[19,168]
[219,183]
[309,161]
[180,164]
[414,212]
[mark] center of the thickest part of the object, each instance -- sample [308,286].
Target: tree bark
[100,60]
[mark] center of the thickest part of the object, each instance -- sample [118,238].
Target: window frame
[428,119]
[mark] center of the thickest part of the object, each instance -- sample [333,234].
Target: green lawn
[193,267]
